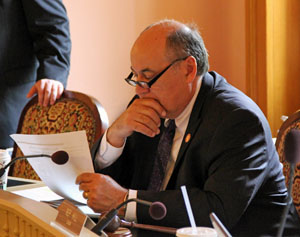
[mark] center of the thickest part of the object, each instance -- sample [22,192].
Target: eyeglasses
[147,85]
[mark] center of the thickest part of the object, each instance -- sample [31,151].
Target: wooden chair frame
[293,122]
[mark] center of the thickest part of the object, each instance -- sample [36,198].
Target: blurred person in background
[35,51]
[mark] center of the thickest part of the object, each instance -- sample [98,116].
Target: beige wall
[103,31]
[221,23]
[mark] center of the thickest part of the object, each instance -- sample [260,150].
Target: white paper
[45,194]
[38,194]
[59,178]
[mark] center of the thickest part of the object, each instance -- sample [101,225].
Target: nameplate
[70,217]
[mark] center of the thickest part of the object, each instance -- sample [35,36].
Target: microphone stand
[59,158]
[163,229]
[107,218]
[2,170]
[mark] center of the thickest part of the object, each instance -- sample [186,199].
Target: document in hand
[59,178]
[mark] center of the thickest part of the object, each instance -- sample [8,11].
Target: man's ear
[191,69]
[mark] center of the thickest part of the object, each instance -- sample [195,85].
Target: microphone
[59,157]
[157,211]
[292,155]
[117,222]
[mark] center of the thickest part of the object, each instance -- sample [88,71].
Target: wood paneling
[283,56]
[273,57]
[256,52]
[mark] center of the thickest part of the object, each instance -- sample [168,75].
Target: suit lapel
[195,118]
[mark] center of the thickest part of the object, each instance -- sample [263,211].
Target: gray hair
[185,41]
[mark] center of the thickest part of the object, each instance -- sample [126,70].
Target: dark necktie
[162,156]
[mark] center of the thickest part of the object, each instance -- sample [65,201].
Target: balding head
[176,40]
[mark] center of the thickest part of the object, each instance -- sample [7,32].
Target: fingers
[56,91]
[84,178]
[146,122]
[101,191]
[48,91]
[87,184]
[152,104]
[90,182]
[44,92]
[142,116]
[60,90]
[32,91]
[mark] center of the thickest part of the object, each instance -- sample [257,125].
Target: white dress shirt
[107,154]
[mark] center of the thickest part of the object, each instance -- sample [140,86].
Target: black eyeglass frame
[147,85]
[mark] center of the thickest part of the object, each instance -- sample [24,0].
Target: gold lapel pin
[187,138]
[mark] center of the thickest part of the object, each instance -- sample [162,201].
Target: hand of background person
[103,193]
[48,91]
[142,116]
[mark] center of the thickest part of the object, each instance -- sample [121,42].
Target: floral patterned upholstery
[72,112]
[293,122]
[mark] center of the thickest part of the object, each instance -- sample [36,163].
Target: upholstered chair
[74,111]
[293,122]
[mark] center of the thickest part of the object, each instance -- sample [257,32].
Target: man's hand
[48,91]
[103,192]
[142,116]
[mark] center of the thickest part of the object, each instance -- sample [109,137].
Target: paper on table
[59,178]
[38,194]
[45,194]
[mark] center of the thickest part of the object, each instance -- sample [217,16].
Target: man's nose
[140,91]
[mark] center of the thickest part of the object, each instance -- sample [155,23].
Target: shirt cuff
[130,214]
[107,154]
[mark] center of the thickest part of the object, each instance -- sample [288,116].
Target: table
[37,190]
[15,183]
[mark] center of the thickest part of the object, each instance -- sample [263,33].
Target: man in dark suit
[222,149]
[34,57]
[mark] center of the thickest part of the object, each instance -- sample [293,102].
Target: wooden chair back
[293,122]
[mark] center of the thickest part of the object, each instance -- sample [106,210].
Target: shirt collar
[182,120]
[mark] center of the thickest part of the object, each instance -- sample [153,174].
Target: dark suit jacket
[229,166]
[34,44]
